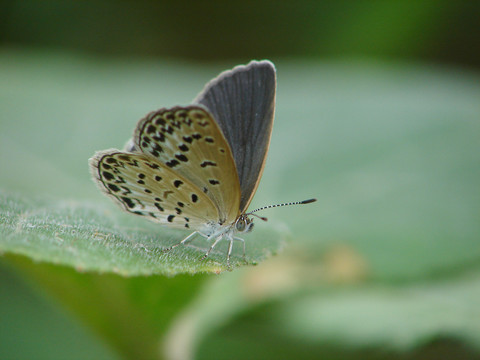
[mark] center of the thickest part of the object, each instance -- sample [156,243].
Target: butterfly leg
[230,248]
[181,242]
[217,240]
[243,242]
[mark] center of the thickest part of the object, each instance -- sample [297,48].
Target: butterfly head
[243,224]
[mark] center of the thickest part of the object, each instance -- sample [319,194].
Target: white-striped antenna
[279,205]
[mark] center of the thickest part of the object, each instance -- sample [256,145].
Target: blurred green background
[378,116]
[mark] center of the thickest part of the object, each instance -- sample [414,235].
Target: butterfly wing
[242,101]
[142,186]
[188,141]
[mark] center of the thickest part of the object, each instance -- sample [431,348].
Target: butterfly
[198,167]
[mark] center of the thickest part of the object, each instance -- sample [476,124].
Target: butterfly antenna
[278,205]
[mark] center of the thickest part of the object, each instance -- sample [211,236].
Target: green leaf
[28,316]
[390,151]
[401,318]
[294,305]
[91,238]
[130,314]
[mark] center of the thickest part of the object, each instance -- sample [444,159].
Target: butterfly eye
[241,225]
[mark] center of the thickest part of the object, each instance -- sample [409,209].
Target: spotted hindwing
[188,141]
[143,186]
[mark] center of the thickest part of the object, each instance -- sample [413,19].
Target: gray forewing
[242,101]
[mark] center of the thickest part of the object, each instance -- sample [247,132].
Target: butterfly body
[197,167]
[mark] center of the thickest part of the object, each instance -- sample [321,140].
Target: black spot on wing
[181,157]
[188,121]
[156,150]
[107,175]
[159,137]
[159,121]
[181,113]
[172,163]
[183,147]
[207,163]
[151,129]
[197,115]
[133,163]
[153,165]
[128,202]
[113,187]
